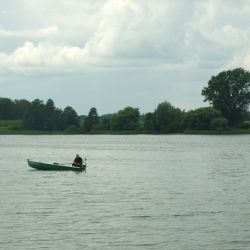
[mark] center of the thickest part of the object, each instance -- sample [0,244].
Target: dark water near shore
[139,192]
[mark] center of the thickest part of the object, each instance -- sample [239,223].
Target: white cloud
[39,33]
[242,59]
[128,33]
[43,57]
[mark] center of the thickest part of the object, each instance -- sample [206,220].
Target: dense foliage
[13,110]
[126,119]
[91,121]
[38,116]
[201,118]
[168,119]
[228,92]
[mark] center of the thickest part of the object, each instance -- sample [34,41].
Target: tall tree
[6,108]
[91,120]
[50,106]
[49,110]
[70,117]
[35,116]
[21,108]
[56,120]
[149,122]
[229,92]
[126,119]
[168,119]
[105,121]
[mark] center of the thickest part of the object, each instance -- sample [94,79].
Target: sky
[110,54]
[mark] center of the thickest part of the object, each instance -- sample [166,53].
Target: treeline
[37,115]
[166,118]
[228,94]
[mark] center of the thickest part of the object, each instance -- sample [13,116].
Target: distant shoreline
[186,132]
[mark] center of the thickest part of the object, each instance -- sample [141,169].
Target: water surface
[139,192]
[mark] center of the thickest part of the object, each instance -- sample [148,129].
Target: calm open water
[139,192]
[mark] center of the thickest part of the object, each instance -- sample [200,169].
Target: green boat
[54,166]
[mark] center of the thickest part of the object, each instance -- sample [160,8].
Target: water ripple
[139,192]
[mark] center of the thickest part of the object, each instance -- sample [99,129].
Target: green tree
[91,120]
[6,109]
[168,119]
[21,107]
[126,119]
[69,117]
[105,121]
[50,106]
[149,122]
[201,118]
[35,117]
[219,123]
[49,110]
[56,120]
[229,92]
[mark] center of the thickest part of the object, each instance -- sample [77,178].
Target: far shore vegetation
[227,93]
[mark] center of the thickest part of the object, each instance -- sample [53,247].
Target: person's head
[77,155]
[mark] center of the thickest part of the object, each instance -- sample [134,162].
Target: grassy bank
[10,125]
[232,131]
[189,132]
[35,132]
[15,127]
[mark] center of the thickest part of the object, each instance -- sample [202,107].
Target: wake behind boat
[54,166]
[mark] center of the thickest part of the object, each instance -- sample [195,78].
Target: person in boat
[78,161]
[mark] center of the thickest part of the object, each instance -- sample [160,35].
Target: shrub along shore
[13,129]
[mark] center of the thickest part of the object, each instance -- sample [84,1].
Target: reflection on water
[139,192]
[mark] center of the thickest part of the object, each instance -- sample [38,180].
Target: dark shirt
[78,160]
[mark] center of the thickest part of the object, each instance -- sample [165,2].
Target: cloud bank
[79,36]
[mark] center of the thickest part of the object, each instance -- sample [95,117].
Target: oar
[84,161]
[62,163]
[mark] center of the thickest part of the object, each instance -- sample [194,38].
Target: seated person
[77,162]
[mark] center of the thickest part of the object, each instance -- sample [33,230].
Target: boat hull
[53,166]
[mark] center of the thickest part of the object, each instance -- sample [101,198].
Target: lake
[170,192]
